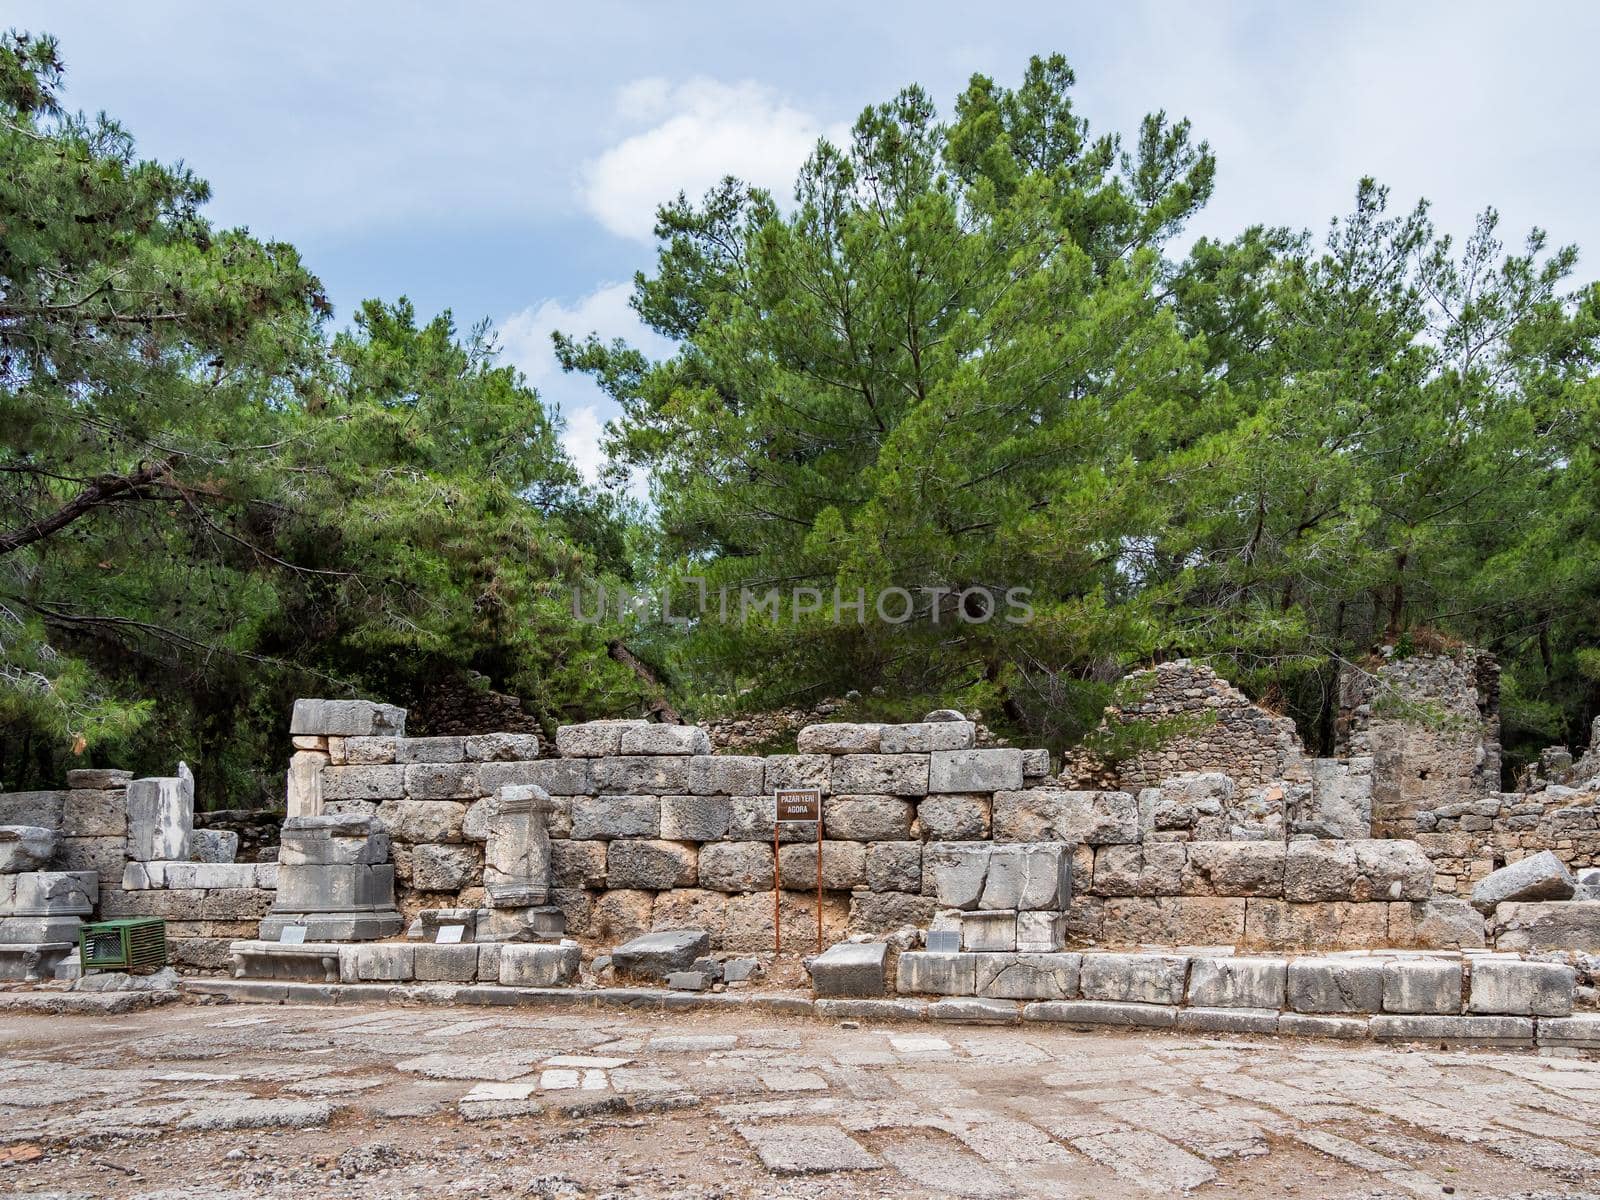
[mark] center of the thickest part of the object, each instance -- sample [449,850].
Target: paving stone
[1304,1025]
[1535,989]
[1422,986]
[1458,1030]
[1147,1160]
[1137,978]
[258,1114]
[947,1170]
[851,969]
[1335,985]
[794,1149]
[972,1010]
[872,1010]
[1237,982]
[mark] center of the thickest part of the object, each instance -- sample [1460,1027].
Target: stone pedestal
[517,868]
[161,818]
[40,914]
[335,878]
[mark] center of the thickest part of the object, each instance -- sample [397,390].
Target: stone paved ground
[244,1101]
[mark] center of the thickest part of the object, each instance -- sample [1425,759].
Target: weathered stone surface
[1028,976]
[97,779]
[788,771]
[1454,1030]
[95,812]
[161,817]
[894,866]
[1101,1012]
[1422,986]
[844,866]
[1137,978]
[1033,875]
[1200,1019]
[1340,801]
[1041,932]
[665,739]
[1319,871]
[923,737]
[1391,869]
[1580,1032]
[887,912]
[362,783]
[989,770]
[867,818]
[1145,869]
[695,818]
[444,868]
[646,863]
[1335,985]
[736,866]
[1045,814]
[1293,1024]
[989,932]
[838,738]
[851,969]
[41,809]
[391,962]
[1517,988]
[431,963]
[970,1010]
[103,855]
[647,775]
[727,775]
[501,747]
[920,972]
[654,955]
[578,864]
[1540,876]
[442,781]
[1174,920]
[49,894]
[752,820]
[1192,805]
[749,918]
[1557,925]
[214,845]
[594,739]
[417,821]
[955,872]
[25,848]
[1442,923]
[606,817]
[1035,764]
[531,964]
[880,774]
[362,751]
[558,776]
[956,817]
[429,749]
[1237,982]
[1235,868]
[620,914]
[1280,926]
[347,718]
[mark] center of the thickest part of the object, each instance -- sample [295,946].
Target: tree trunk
[659,708]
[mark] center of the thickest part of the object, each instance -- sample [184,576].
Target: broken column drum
[517,867]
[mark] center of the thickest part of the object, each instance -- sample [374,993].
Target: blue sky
[502,160]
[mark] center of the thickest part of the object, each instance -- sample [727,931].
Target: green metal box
[130,944]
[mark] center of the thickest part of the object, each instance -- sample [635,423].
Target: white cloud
[581,438]
[700,131]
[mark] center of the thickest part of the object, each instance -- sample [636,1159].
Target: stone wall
[1472,838]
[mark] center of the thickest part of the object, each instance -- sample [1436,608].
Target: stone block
[1422,986]
[1041,932]
[364,751]
[955,872]
[445,868]
[434,963]
[838,738]
[1454,1030]
[98,779]
[654,955]
[501,747]
[1200,1019]
[161,817]
[922,972]
[789,771]
[851,969]
[388,962]
[1391,869]
[1535,926]
[844,866]
[1293,1024]
[1237,982]
[924,737]
[1235,868]
[665,740]
[558,776]
[990,770]
[1540,876]
[737,866]
[1174,920]
[1319,871]
[989,932]
[442,781]
[1518,988]
[1028,976]
[692,908]
[1336,985]
[650,864]
[346,718]
[1579,1032]
[1441,923]
[578,864]
[94,812]
[1047,814]
[533,964]
[49,894]
[422,821]
[1134,978]
[1280,926]
[752,820]
[43,810]
[606,817]
[531,923]
[577,907]
[973,1011]
[894,866]
[727,775]
[594,739]
[103,855]
[25,848]
[1034,875]
[429,749]
[1099,1012]
[362,783]
[1339,804]
[955,817]
[1147,869]
[867,818]
[214,845]
[641,775]
[695,818]
[888,912]
[880,774]
[749,920]
[1035,764]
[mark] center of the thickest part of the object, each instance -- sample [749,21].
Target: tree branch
[102,491]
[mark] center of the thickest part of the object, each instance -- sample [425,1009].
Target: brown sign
[800,805]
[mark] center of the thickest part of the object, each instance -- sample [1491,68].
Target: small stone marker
[292,935]
[449,935]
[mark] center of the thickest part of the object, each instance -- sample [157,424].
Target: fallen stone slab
[1540,876]
[104,1004]
[655,955]
[851,969]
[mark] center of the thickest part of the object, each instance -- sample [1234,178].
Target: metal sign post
[795,804]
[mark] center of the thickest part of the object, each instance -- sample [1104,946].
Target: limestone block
[199,875]
[594,739]
[161,817]
[1340,801]
[1237,982]
[727,775]
[1035,764]
[851,969]
[94,812]
[98,779]
[362,783]
[530,923]
[214,846]
[25,848]
[388,962]
[1540,876]
[532,964]
[501,747]
[991,770]
[1136,978]
[606,817]
[418,821]
[736,866]
[887,912]
[558,776]
[752,819]
[364,751]
[838,738]
[1276,925]
[954,873]
[867,818]
[576,906]
[1047,814]
[651,864]
[346,718]
[103,855]
[1517,988]
[1145,869]
[1580,1032]
[954,817]
[49,894]
[1236,868]
[1041,932]
[1538,927]
[665,739]
[654,955]
[695,818]
[578,864]
[1200,1019]
[1454,1030]
[1291,1024]
[880,774]
[924,737]
[844,866]
[921,972]
[1319,871]
[989,932]
[1174,920]
[788,771]
[1036,875]
[442,781]
[1422,986]
[1336,985]
[894,866]
[749,919]
[44,810]
[444,868]
[335,888]
[434,963]
[429,749]
[1391,869]
[620,914]
[1098,1012]
[1028,976]
[1441,923]
[645,775]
